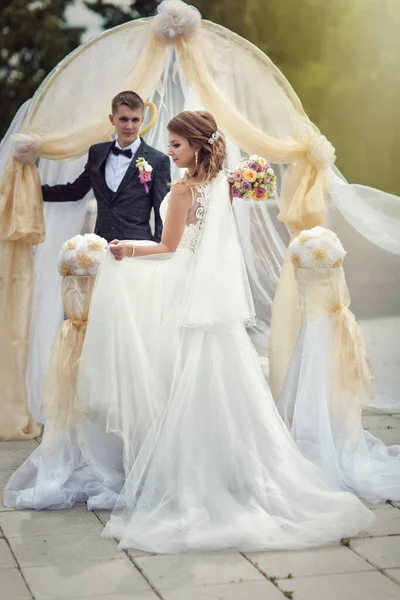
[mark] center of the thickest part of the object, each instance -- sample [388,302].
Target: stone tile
[5,475]
[389,437]
[85,580]
[189,570]
[2,507]
[38,550]
[369,585]
[104,515]
[136,553]
[321,561]
[374,410]
[6,558]
[128,596]
[47,522]
[13,454]
[375,422]
[12,586]
[387,523]
[375,506]
[17,445]
[395,573]
[382,551]
[246,590]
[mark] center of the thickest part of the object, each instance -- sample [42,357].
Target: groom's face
[127,122]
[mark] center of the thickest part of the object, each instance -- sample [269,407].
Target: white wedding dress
[168,365]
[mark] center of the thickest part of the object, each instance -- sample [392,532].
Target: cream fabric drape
[21,225]
[16,284]
[329,376]
[323,292]
[60,403]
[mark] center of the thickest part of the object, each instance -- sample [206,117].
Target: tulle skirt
[209,462]
[79,464]
[327,431]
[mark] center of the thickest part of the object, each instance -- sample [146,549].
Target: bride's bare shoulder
[181,191]
[180,187]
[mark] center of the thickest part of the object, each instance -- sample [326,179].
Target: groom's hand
[120,249]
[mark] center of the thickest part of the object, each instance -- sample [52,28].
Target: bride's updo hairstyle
[201,130]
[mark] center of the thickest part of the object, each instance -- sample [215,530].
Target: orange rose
[261,198]
[70,245]
[84,260]
[250,175]
[65,270]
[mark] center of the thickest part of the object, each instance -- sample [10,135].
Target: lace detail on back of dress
[195,219]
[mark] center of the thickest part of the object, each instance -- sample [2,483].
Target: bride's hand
[120,249]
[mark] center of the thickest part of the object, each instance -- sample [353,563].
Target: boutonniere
[145,170]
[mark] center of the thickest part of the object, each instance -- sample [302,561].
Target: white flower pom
[317,248]
[175,20]
[26,147]
[82,255]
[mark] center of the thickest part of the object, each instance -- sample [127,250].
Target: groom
[124,203]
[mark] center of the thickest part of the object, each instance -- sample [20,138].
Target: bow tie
[127,153]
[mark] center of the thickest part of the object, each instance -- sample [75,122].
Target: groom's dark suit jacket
[124,214]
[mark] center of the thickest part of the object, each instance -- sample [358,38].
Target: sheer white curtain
[63,221]
[367,221]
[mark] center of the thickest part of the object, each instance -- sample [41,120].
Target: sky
[78,15]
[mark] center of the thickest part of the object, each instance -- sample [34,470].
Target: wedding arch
[178,61]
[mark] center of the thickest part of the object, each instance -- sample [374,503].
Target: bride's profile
[167,365]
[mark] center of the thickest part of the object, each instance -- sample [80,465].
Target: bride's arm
[178,208]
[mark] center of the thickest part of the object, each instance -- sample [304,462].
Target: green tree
[358,87]
[34,37]
[342,59]
[114,14]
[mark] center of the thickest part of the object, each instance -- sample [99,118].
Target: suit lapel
[132,171]
[100,166]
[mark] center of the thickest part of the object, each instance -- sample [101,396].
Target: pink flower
[236,193]
[246,186]
[237,175]
[260,193]
[145,176]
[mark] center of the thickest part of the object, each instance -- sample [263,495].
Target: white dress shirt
[117,164]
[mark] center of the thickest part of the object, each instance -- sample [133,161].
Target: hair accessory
[215,136]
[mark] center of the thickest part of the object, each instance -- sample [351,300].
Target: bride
[167,363]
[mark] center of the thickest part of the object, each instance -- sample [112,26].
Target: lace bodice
[195,219]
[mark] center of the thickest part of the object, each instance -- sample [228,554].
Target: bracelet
[133,250]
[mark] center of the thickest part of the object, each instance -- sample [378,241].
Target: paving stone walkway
[54,555]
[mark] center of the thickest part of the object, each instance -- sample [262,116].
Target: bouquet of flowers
[253,179]
[317,248]
[82,255]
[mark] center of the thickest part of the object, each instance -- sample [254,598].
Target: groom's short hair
[128,98]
